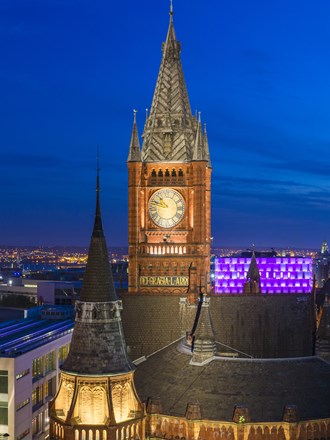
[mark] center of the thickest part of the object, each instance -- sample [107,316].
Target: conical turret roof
[199,142]
[134,154]
[98,344]
[98,283]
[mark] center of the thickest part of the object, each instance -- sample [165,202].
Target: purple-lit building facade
[277,275]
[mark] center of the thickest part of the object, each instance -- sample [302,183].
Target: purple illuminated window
[278,275]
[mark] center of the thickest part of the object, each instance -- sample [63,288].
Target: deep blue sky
[72,71]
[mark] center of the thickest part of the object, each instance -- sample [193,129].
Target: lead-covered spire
[170,129]
[98,344]
[98,282]
[134,154]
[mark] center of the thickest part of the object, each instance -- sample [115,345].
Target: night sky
[71,73]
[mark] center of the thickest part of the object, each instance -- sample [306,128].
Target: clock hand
[163,204]
[155,203]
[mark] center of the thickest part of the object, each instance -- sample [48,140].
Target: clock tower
[169,190]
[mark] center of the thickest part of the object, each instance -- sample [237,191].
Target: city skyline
[72,76]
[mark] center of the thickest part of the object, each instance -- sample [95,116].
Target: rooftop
[264,386]
[23,335]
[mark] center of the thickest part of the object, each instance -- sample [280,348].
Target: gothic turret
[96,391]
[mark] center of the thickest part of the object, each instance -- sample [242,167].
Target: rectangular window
[37,424]
[50,362]
[49,388]
[3,397]
[22,374]
[3,382]
[63,353]
[37,397]
[22,404]
[3,413]
[37,370]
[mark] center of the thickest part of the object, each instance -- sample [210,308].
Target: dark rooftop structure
[220,384]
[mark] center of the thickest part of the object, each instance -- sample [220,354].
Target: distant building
[277,274]
[31,352]
[321,265]
[325,248]
[28,293]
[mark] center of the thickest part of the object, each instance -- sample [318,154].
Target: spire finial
[134,112]
[199,117]
[171,8]
[97,168]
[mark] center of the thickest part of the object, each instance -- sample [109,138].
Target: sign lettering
[164,281]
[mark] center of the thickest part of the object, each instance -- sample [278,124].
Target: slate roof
[264,386]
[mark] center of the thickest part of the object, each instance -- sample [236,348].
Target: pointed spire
[98,283]
[206,147]
[199,144]
[252,284]
[204,346]
[98,344]
[253,272]
[170,128]
[134,154]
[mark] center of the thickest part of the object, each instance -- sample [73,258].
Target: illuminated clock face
[166,207]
